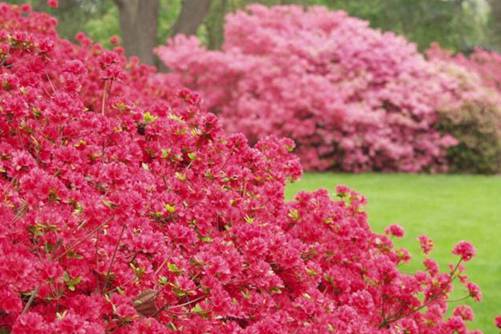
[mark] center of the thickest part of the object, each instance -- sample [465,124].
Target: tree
[496,24]
[193,13]
[214,24]
[72,15]
[138,24]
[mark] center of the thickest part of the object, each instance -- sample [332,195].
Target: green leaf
[175,117]
[294,214]
[311,272]
[149,118]
[109,204]
[206,239]
[170,208]
[180,176]
[162,280]
[197,309]
[165,153]
[173,268]
[70,282]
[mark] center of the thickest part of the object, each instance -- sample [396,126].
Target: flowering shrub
[126,209]
[351,97]
[472,114]
[487,64]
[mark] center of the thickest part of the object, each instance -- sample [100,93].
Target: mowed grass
[448,208]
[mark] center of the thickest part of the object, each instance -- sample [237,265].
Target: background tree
[214,24]
[73,15]
[193,13]
[495,24]
[138,24]
[455,24]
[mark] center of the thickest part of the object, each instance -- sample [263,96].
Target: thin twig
[51,84]
[458,300]
[160,267]
[167,307]
[30,301]
[115,251]
[389,321]
[103,100]
[72,247]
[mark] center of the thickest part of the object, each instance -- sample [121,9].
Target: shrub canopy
[473,112]
[352,98]
[126,209]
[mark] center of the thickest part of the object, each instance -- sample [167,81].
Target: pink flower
[53,3]
[115,40]
[497,321]
[465,312]
[474,291]
[426,244]
[465,250]
[342,100]
[395,230]
[341,189]
[30,323]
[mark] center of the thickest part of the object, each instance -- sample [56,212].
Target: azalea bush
[473,111]
[476,123]
[351,97]
[486,64]
[126,209]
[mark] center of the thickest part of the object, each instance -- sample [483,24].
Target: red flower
[465,312]
[395,231]
[474,291]
[53,3]
[426,244]
[497,321]
[465,250]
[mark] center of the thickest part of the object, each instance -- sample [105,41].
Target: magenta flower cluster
[126,209]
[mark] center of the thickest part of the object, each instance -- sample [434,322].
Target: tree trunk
[215,25]
[496,23]
[193,13]
[138,24]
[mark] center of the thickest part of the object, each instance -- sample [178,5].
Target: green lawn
[448,208]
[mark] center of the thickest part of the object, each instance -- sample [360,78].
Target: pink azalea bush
[126,209]
[486,64]
[351,97]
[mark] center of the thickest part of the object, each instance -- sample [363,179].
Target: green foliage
[101,28]
[74,15]
[495,25]
[169,10]
[455,24]
[213,27]
[477,126]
